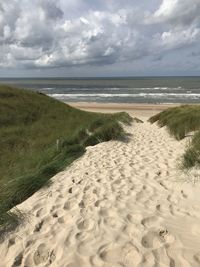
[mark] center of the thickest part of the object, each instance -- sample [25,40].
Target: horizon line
[99,77]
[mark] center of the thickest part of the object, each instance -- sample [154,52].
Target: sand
[141,110]
[120,204]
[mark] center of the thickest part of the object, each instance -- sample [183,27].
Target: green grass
[180,121]
[191,158]
[40,136]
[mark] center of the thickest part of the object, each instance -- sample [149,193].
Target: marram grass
[40,136]
[180,121]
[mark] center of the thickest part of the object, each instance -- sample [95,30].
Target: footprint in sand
[70,190]
[86,224]
[96,204]
[151,240]
[141,196]
[70,204]
[89,200]
[83,236]
[165,208]
[38,227]
[39,212]
[183,194]
[134,217]
[126,255]
[81,204]
[150,221]
[43,255]
[11,242]
[156,239]
[112,222]
[18,260]
[66,218]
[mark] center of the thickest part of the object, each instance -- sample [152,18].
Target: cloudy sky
[99,37]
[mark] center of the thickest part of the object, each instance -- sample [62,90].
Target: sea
[152,90]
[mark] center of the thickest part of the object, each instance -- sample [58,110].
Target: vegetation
[39,136]
[191,157]
[181,121]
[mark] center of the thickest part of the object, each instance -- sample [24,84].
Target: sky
[89,38]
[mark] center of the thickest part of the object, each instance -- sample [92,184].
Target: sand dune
[121,204]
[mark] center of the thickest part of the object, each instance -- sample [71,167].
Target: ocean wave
[163,88]
[156,88]
[115,88]
[72,89]
[146,95]
[49,88]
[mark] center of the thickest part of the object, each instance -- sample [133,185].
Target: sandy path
[121,204]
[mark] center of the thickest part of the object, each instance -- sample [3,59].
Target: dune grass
[40,136]
[191,158]
[181,121]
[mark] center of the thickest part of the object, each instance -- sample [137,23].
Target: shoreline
[141,110]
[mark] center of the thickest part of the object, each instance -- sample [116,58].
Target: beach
[141,110]
[120,204]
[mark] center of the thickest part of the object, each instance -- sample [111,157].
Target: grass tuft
[191,158]
[110,131]
[40,136]
[9,221]
[180,121]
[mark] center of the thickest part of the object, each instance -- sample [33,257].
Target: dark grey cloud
[46,34]
[51,10]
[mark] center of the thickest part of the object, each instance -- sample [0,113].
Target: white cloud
[177,23]
[46,33]
[178,11]
[182,37]
[98,38]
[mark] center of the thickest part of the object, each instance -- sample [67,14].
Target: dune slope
[39,137]
[121,204]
